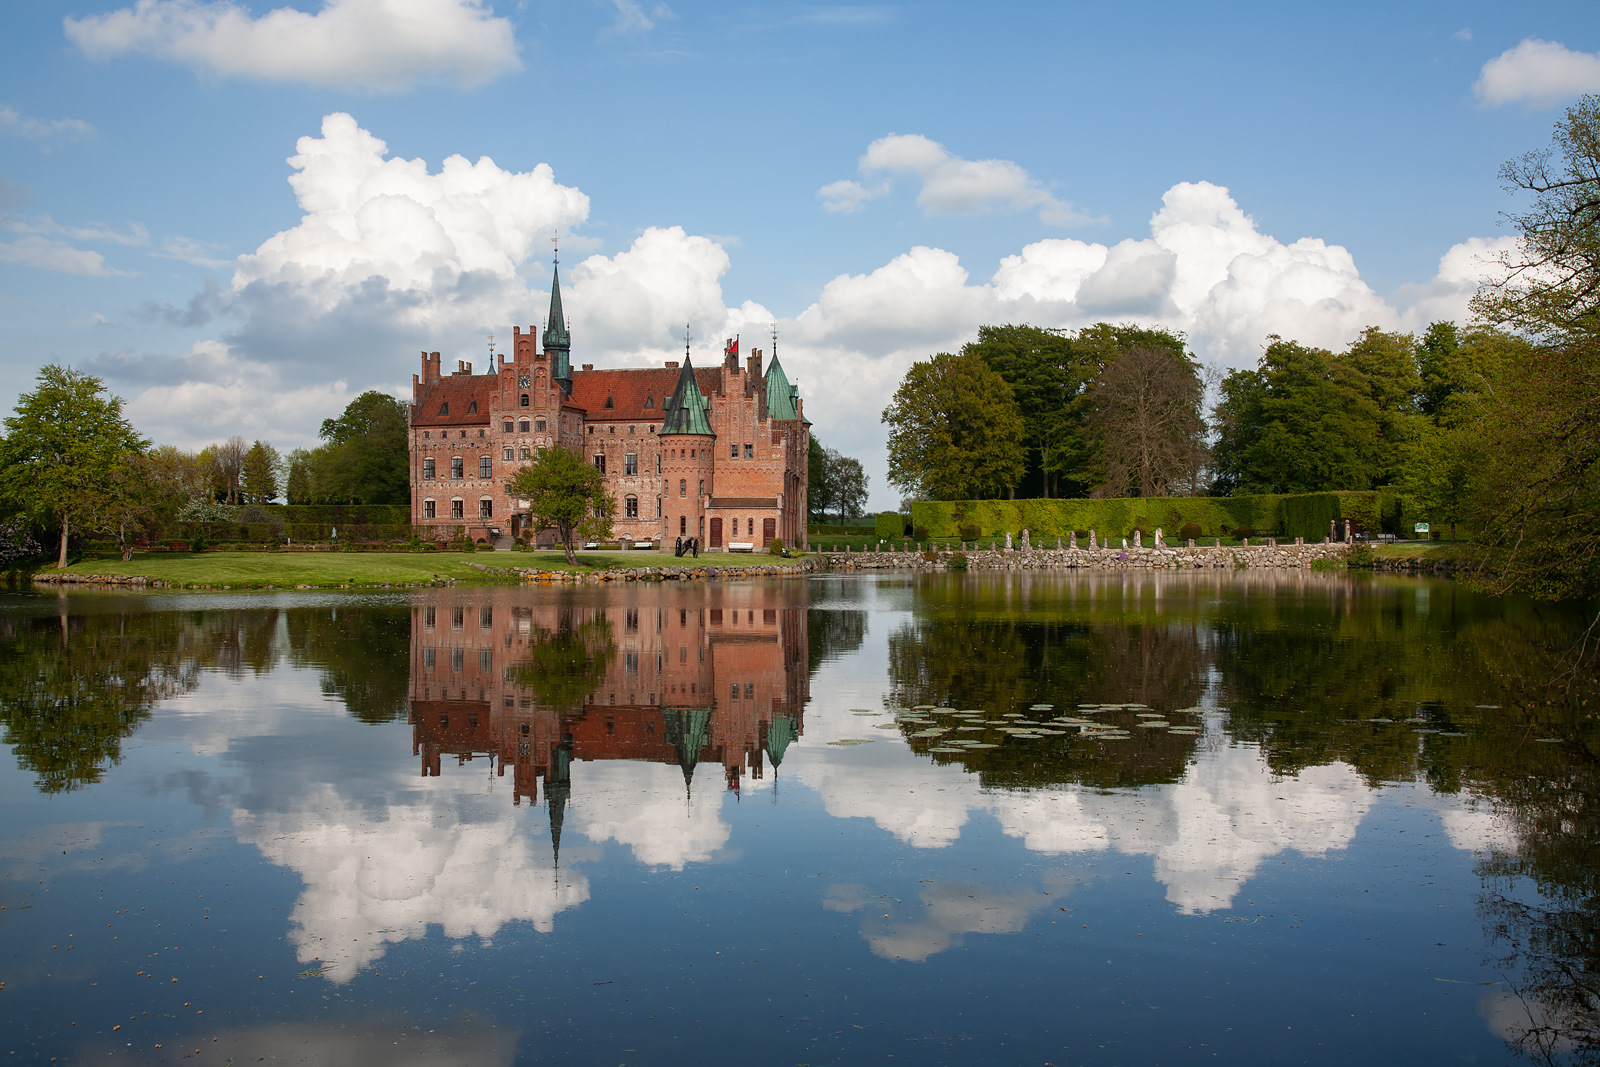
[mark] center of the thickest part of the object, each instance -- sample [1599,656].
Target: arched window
[523,425]
[427,509]
[683,487]
[485,508]
[506,426]
[506,453]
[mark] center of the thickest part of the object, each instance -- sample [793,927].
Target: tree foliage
[260,484]
[1145,411]
[955,431]
[566,495]
[363,459]
[836,483]
[65,453]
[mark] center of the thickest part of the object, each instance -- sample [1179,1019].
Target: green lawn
[1434,550]
[255,570]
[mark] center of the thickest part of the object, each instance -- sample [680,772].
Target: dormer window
[650,401]
[444,409]
[610,403]
[472,408]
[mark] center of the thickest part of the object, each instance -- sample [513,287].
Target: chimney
[588,366]
[754,363]
[672,364]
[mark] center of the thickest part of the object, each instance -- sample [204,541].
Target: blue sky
[878,179]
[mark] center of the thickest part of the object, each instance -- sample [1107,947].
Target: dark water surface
[1267,817]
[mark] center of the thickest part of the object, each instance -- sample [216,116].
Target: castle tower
[557,341]
[687,443]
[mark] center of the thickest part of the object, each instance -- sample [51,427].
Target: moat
[1254,816]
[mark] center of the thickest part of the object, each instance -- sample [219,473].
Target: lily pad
[846,741]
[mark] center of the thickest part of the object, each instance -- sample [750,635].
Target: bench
[741,546]
[644,544]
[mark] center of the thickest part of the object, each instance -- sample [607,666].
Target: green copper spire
[687,411]
[557,342]
[781,396]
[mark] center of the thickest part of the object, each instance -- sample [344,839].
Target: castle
[717,453]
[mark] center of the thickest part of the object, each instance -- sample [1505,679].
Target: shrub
[958,561]
[1361,556]
[198,542]
[889,525]
[919,533]
[1241,532]
[1326,565]
[1190,531]
[775,546]
[967,531]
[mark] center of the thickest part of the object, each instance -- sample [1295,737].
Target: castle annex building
[718,453]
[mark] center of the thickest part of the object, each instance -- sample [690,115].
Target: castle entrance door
[716,533]
[769,530]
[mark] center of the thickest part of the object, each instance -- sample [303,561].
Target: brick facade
[744,481]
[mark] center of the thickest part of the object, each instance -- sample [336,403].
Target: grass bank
[1430,551]
[332,570]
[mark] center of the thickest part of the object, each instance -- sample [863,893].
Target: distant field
[256,570]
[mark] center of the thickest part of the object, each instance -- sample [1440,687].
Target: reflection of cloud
[382,874]
[348,1044]
[951,910]
[643,806]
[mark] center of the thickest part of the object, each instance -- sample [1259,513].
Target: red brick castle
[718,453]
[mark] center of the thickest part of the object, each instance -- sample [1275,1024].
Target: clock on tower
[522,381]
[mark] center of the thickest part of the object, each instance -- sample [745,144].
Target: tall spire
[557,341]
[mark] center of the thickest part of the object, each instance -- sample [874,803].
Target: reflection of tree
[566,663]
[833,632]
[364,656]
[71,689]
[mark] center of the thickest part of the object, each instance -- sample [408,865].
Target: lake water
[1258,817]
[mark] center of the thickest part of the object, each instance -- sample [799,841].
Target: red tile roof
[630,387]
[459,391]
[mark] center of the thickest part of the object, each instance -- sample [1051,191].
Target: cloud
[848,15]
[44,253]
[1464,34]
[14,122]
[189,250]
[950,185]
[631,17]
[1537,73]
[44,225]
[376,45]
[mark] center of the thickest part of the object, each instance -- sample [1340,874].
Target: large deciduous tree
[849,484]
[64,452]
[1145,410]
[566,495]
[955,431]
[364,460]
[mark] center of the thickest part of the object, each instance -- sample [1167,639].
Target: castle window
[630,463]
[600,462]
[505,427]
[524,399]
[683,487]
[485,470]
[702,487]
[526,454]
[538,424]
[658,507]
[457,509]
[523,425]
[424,435]
[506,454]
[427,509]
[591,429]
[613,430]
[444,409]
[472,408]
[463,433]
[427,467]
[650,401]
[750,527]
[633,429]
[749,451]
[457,466]
[683,528]
[482,432]
[630,507]
[611,403]
[652,429]
[486,508]
[658,462]
[733,451]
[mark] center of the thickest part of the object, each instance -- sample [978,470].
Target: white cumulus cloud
[379,45]
[949,184]
[1537,73]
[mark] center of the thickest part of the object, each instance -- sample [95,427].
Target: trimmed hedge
[1266,515]
[890,526]
[261,532]
[833,529]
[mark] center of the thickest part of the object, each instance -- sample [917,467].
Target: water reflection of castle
[534,679]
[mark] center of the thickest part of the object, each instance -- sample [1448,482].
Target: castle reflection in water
[661,673]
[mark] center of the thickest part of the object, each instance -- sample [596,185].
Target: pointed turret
[687,410]
[557,341]
[557,788]
[781,396]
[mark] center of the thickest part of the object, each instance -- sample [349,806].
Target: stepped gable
[459,392]
[628,389]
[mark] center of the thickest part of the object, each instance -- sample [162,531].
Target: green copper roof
[687,411]
[686,731]
[556,338]
[780,735]
[782,398]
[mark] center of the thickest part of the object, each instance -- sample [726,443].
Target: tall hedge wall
[890,525]
[1300,515]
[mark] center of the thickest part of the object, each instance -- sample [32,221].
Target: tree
[1538,510]
[819,481]
[226,463]
[365,459]
[566,495]
[955,431]
[63,449]
[261,473]
[1304,421]
[297,488]
[849,484]
[1144,408]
